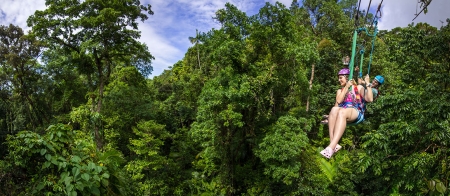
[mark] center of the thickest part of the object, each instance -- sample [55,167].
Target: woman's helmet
[380,79]
[344,71]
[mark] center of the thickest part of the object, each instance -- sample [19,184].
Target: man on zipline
[349,107]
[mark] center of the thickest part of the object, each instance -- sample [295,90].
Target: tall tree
[96,36]
[20,75]
[196,40]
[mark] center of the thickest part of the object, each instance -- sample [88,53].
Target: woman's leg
[344,115]
[332,120]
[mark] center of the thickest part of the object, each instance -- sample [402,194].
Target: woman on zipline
[349,108]
[376,83]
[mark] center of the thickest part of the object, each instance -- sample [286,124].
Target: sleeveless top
[353,100]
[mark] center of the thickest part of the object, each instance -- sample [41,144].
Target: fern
[328,168]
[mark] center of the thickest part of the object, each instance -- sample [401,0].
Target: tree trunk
[101,85]
[310,86]
[198,58]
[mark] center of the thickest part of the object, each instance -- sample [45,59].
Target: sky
[167,32]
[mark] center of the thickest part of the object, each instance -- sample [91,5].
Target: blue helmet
[380,79]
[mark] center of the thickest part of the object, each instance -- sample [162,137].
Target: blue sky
[167,31]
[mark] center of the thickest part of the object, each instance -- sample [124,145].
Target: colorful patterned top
[353,100]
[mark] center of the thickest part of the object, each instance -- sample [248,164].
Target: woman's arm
[368,94]
[340,94]
[338,99]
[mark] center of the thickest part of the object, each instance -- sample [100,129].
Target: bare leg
[332,120]
[344,115]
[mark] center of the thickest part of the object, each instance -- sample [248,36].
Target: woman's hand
[367,79]
[349,83]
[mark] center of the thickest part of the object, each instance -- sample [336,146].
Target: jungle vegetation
[238,115]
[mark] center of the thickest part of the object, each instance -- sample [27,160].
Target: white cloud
[17,12]
[164,51]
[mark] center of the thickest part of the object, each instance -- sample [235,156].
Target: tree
[21,77]
[260,78]
[196,40]
[96,36]
[126,103]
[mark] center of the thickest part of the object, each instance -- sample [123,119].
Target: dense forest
[238,115]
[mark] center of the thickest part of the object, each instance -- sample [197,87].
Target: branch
[424,8]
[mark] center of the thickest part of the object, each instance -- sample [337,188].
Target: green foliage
[281,147]
[62,161]
[148,169]
[126,102]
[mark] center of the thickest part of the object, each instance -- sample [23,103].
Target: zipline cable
[357,15]
[367,11]
[375,32]
[376,14]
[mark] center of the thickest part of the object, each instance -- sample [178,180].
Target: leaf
[98,168]
[95,190]
[73,193]
[105,182]
[85,176]
[75,171]
[431,185]
[79,186]
[68,181]
[61,165]
[69,188]
[91,166]
[105,175]
[55,162]
[48,157]
[40,186]
[440,187]
[64,175]
[76,159]
[43,151]
[46,164]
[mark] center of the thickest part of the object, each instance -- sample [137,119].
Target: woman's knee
[334,110]
[342,112]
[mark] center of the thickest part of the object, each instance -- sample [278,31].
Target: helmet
[380,79]
[344,71]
